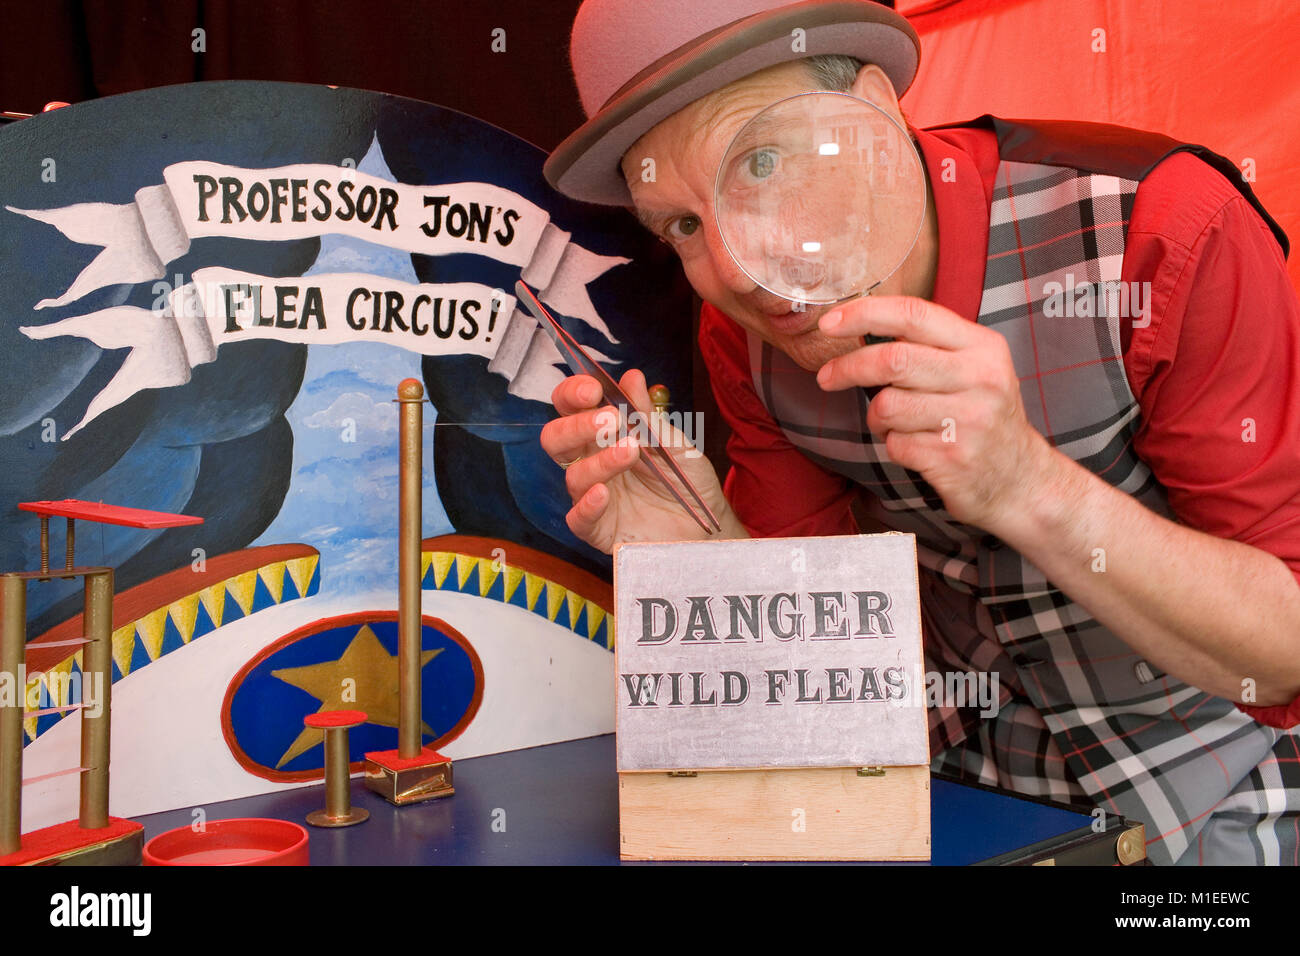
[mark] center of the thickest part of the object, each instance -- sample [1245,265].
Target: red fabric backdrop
[1220,74]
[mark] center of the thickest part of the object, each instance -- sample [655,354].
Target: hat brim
[586,165]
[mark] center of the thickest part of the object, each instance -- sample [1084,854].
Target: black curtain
[434,50]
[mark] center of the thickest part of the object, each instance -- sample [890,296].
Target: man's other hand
[616,497]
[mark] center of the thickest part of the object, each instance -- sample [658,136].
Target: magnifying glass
[820,197]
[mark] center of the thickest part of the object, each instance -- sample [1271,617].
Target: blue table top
[559,805]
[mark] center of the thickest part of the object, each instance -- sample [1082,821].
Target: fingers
[601,467]
[584,517]
[574,436]
[912,449]
[634,384]
[585,420]
[902,410]
[575,394]
[578,399]
[654,431]
[583,439]
[904,317]
[901,363]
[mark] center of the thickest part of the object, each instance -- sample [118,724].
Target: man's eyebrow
[651,220]
[646,219]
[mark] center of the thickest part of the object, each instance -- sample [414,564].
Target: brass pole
[13,640]
[97,676]
[410,394]
[45,545]
[70,550]
[338,799]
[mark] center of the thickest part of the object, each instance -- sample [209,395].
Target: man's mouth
[790,319]
[802,273]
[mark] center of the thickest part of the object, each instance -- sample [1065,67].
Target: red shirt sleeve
[1216,370]
[773,488]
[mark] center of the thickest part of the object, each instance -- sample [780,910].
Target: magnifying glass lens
[820,197]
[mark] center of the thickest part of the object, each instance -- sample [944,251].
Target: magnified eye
[761,163]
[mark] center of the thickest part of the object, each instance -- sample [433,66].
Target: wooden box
[770,700]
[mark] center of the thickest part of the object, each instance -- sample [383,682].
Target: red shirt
[1216,372]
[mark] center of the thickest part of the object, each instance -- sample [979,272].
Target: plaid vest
[1081,713]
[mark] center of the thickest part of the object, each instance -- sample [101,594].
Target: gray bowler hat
[636,62]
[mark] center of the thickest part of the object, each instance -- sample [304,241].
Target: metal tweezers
[580,363]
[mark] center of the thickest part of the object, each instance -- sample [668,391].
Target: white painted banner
[224,305]
[200,199]
[778,652]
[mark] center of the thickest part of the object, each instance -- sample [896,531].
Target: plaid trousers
[1080,717]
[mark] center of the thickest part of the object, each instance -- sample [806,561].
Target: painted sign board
[771,653]
[210,294]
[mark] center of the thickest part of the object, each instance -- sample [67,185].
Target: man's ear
[873,86]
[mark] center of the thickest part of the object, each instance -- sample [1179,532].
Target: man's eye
[681,228]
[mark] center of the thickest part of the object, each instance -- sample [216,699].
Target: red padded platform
[336,718]
[108,514]
[62,837]
[390,759]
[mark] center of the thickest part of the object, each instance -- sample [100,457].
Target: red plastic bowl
[251,841]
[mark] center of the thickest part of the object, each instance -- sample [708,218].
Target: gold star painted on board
[365,672]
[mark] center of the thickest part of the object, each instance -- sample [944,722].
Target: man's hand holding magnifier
[950,407]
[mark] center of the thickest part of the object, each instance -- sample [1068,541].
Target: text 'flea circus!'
[239,304]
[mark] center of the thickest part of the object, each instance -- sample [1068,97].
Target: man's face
[677,206]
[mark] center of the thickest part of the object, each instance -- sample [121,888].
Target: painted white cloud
[355,408]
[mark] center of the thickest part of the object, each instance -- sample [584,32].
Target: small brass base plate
[409,784]
[321,818]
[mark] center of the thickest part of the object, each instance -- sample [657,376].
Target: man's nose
[728,271]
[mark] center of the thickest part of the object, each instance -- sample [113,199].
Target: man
[1100,524]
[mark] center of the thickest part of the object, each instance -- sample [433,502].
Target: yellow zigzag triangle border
[442,564]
